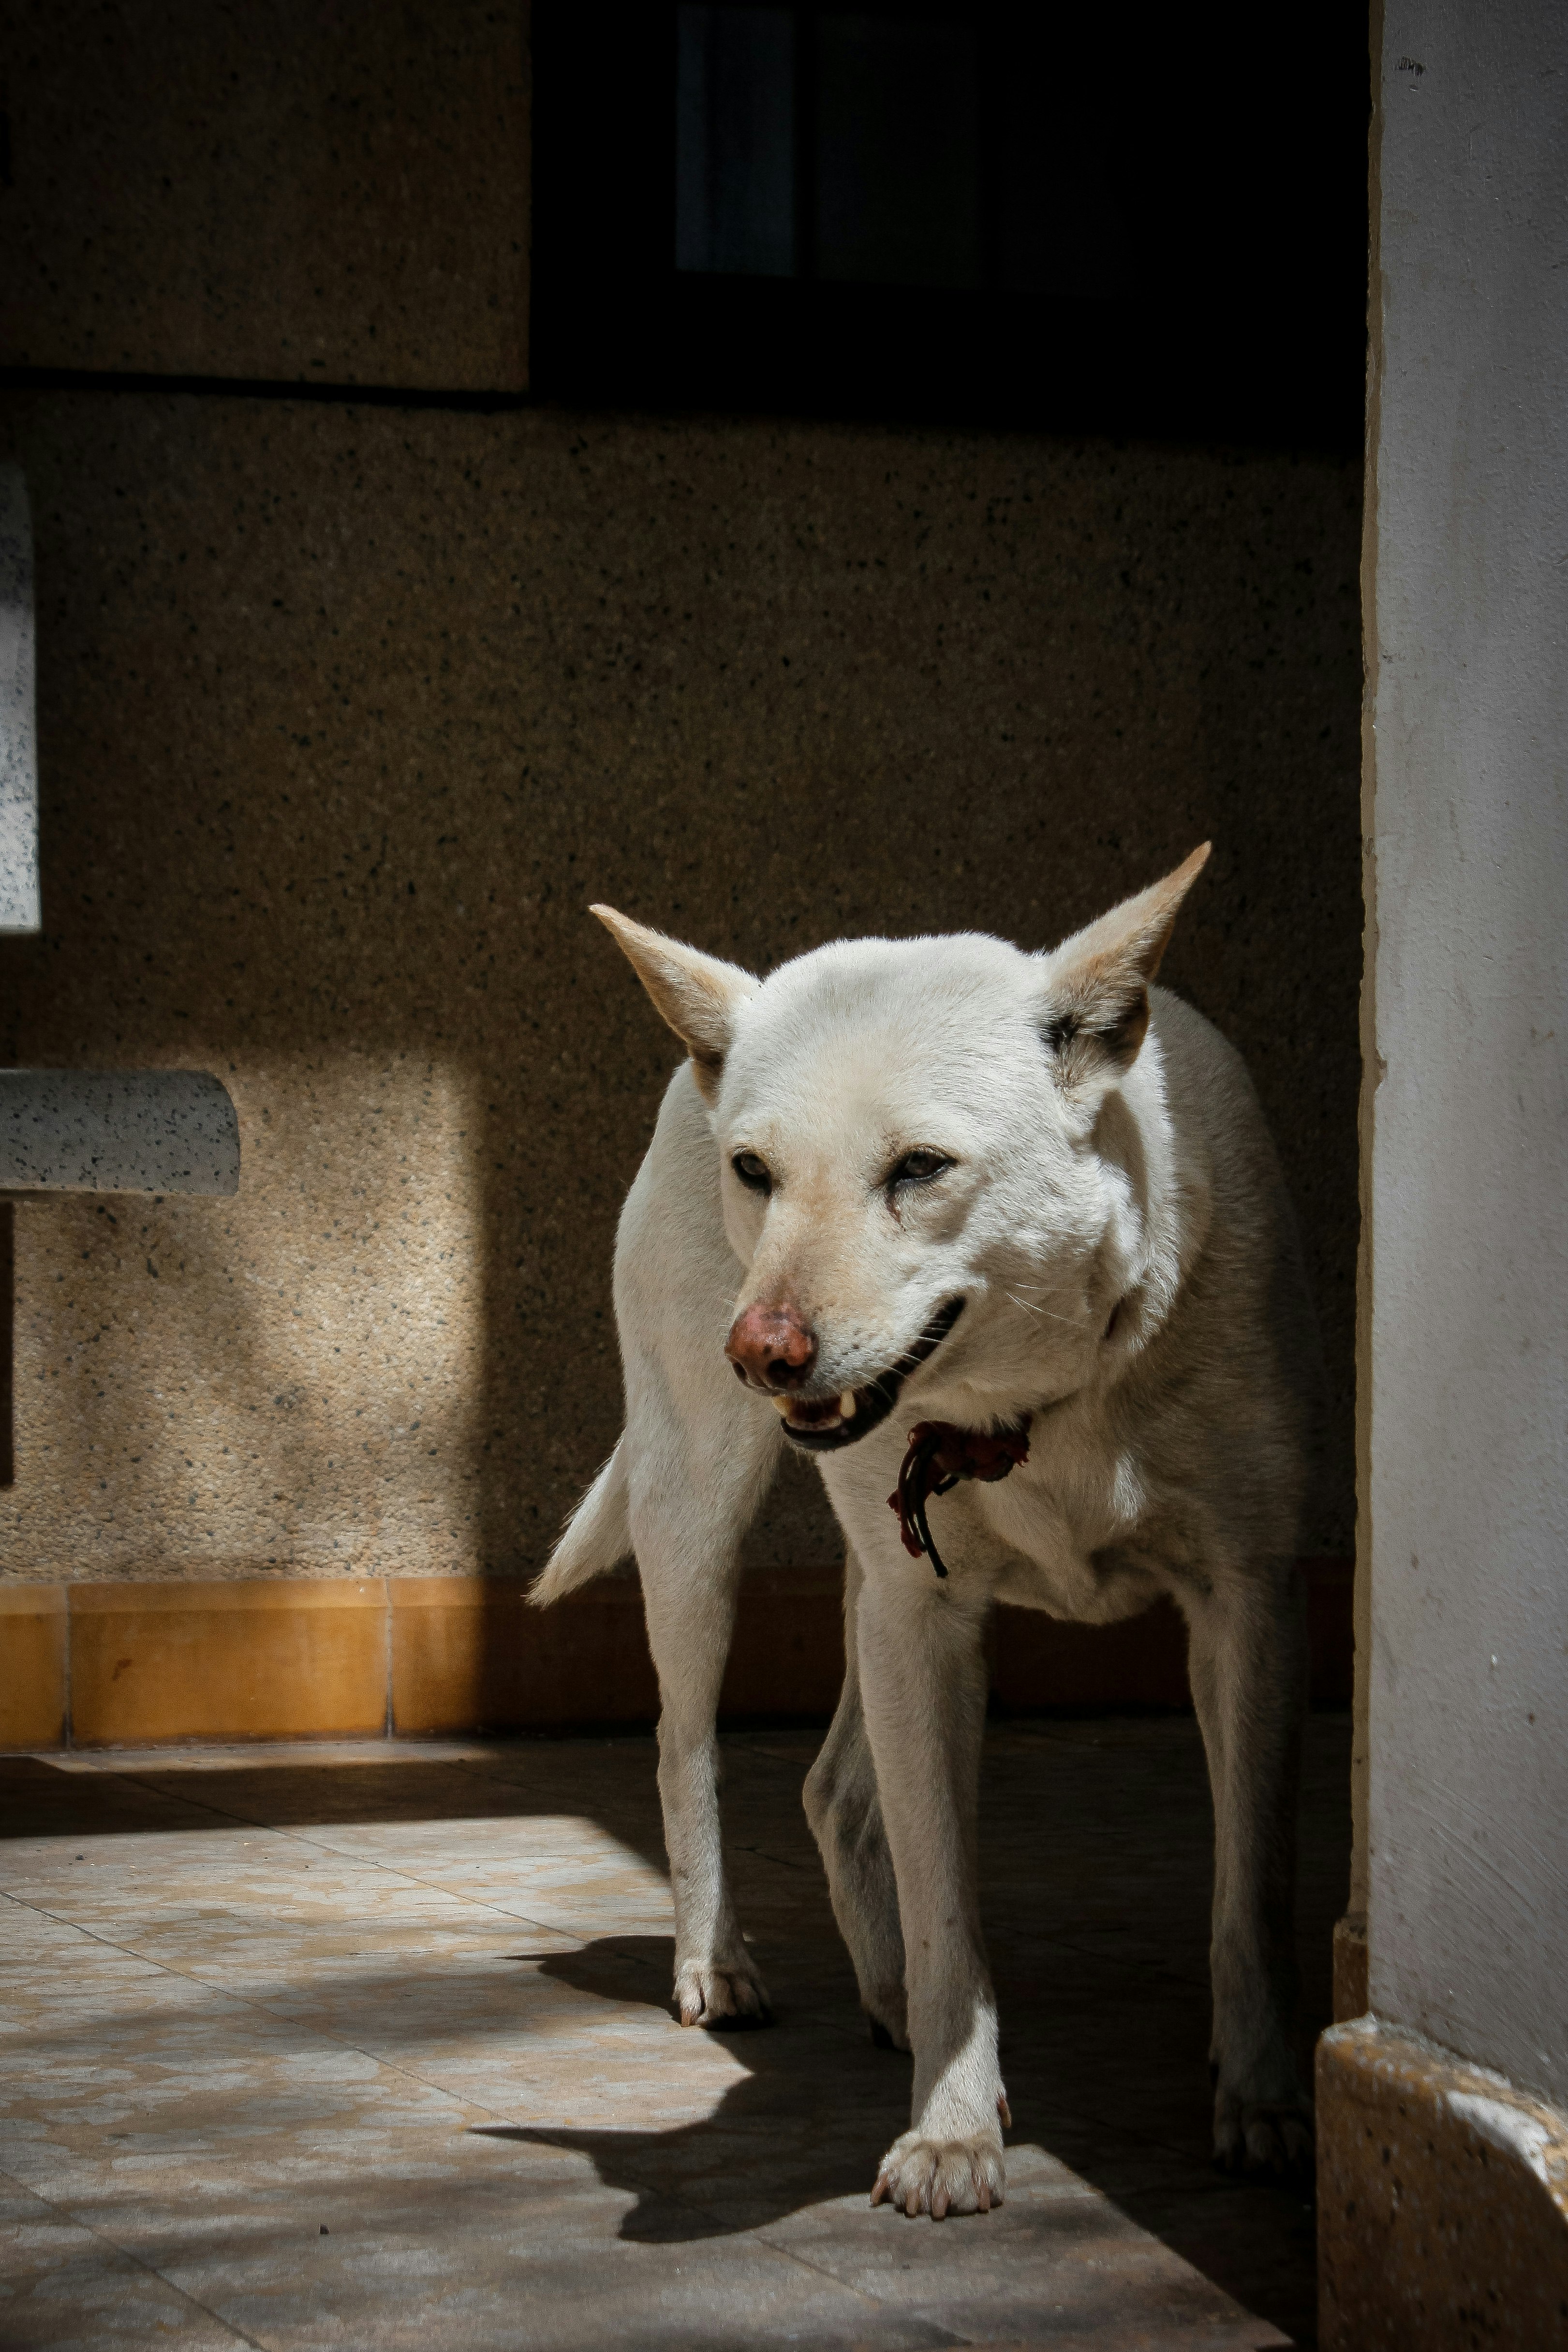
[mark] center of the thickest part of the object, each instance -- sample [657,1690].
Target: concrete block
[117,1131]
[1442,2201]
[18,723]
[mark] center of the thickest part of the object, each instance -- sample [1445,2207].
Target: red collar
[939,1455]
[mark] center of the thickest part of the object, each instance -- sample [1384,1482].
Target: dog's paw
[943,2176]
[732,1996]
[1264,2140]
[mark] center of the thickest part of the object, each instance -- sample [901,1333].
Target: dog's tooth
[847,1405]
[781,1405]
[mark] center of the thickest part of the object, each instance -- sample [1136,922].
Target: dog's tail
[597,1535]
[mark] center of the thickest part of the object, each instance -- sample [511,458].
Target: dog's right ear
[696,995]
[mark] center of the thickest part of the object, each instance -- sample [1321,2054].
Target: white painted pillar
[1466,1367]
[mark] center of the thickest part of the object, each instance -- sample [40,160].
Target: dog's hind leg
[845,1813]
[1248,1664]
[699,1454]
[689,1509]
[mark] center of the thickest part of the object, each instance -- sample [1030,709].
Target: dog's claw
[1004,2111]
[942,2177]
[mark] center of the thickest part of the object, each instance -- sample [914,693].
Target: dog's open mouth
[824,1423]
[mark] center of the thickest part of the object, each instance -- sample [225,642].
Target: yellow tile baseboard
[469,1654]
[33,1650]
[249,1660]
[144,1660]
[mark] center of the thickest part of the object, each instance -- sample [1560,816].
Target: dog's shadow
[806,2123]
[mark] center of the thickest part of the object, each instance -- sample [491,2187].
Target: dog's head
[927,1163]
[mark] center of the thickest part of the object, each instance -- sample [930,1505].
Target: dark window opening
[1149,222]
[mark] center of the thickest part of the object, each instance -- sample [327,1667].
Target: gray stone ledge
[117,1131]
[19,905]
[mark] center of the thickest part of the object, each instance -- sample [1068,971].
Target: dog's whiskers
[1048,1312]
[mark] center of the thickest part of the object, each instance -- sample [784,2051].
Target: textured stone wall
[330,191]
[346,714]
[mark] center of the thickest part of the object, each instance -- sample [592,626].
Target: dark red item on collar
[939,1455]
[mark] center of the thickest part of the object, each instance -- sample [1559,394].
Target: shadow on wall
[346,715]
[287,1381]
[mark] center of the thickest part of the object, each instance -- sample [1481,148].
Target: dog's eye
[753,1172]
[919,1168]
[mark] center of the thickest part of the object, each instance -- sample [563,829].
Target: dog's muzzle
[823,1425]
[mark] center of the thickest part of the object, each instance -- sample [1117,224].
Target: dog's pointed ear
[1094,993]
[696,995]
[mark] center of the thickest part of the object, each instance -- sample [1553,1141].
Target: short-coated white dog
[1003,1237]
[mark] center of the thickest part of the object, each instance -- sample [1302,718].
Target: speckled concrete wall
[306,189]
[346,714]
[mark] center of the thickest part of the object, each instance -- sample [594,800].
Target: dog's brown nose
[774,1347]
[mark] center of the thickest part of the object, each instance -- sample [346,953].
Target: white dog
[1027,1205]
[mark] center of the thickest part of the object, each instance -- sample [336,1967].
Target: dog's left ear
[1094,993]
[697,995]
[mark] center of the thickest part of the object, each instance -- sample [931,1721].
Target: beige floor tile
[65,2289]
[373,2048]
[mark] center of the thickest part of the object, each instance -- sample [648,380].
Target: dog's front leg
[1248,1664]
[923,1679]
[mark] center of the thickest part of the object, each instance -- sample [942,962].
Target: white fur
[597,1536]
[1114,1220]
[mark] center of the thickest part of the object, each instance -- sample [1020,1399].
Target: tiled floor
[370,2047]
